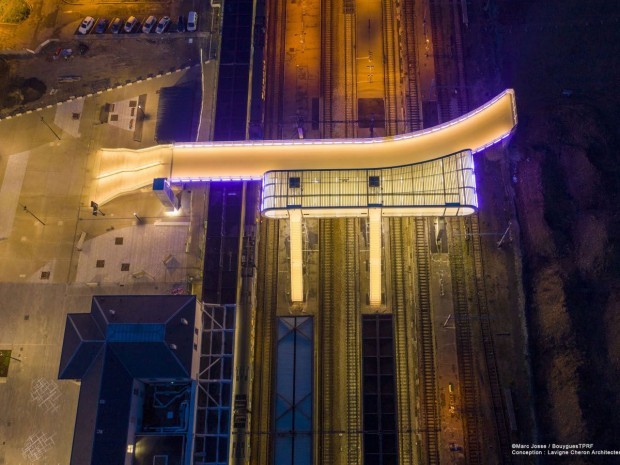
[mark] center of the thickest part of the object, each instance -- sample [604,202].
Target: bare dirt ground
[562,58]
[101,67]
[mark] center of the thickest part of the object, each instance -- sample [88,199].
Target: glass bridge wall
[443,186]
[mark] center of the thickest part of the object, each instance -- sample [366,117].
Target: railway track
[327,45]
[391,71]
[350,97]
[442,55]
[409,60]
[326,289]
[429,424]
[276,53]
[501,423]
[450,78]
[399,312]
[462,318]
[459,64]
[352,339]
[265,316]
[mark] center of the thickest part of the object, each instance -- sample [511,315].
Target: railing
[447,181]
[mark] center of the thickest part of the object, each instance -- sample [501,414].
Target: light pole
[141,111]
[501,241]
[32,214]
[96,210]
[50,128]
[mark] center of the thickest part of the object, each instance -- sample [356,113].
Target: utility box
[163,191]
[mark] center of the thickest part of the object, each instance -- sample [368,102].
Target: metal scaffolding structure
[212,431]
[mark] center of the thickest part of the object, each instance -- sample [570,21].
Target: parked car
[86,25]
[149,24]
[101,26]
[131,24]
[115,28]
[181,24]
[192,21]
[162,25]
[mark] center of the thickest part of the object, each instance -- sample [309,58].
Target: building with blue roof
[136,358]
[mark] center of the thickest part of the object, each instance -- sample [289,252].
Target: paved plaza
[56,255]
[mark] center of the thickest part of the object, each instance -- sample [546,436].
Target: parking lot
[59,20]
[145,25]
[74,64]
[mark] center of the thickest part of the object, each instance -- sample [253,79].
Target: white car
[149,24]
[130,25]
[86,25]
[163,25]
[192,21]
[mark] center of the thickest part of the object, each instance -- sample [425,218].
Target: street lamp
[141,111]
[96,209]
[32,214]
[50,128]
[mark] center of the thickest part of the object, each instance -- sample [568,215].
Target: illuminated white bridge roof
[122,171]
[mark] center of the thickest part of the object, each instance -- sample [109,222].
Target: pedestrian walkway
[10,190]
[142,253]
[69,115]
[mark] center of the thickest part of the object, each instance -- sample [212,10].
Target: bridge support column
[374,293]
[297,265]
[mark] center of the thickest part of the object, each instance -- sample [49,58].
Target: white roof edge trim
[475,131]
[366,140]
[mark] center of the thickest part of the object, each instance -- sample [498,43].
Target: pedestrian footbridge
[423,173]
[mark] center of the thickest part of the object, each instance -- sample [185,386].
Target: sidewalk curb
[99,92]
[27,51]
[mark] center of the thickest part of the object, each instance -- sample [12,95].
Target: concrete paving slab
[9,191]
[38,410]
[150,252]
[68,117]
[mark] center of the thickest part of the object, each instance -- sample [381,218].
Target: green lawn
[5,359]
[13,11]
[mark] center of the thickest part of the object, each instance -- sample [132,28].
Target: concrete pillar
[374,217]
[297,277]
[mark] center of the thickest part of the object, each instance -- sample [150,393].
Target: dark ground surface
[562,59]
